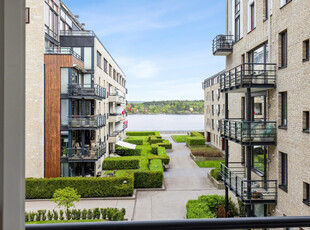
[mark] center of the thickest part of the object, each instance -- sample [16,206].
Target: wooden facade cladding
[53,64]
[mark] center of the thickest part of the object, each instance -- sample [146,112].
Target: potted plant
[64,151]
[257,195]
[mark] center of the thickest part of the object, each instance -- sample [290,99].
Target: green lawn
[62,221]
[209,164]
[180,138]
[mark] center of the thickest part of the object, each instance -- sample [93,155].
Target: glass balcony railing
[77,33]
[51,33]
[249,75]
[249,132]
[222,45]
[86,90]
[86,122]
[249,191]
[94,152]
[63,50]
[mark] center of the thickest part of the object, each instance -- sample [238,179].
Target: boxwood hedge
[134,141]
[44,188]
[191,141]
[122,151]
[114,163]
[166,145]
[143,133]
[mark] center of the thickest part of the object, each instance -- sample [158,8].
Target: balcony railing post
[229,179]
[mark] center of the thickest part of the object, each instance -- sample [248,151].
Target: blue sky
[163,46]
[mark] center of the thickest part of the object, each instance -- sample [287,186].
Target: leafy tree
[66,197]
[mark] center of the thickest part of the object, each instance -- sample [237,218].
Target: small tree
[66,197]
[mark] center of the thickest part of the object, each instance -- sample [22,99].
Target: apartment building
[75,95]
[266,120]
[214,101]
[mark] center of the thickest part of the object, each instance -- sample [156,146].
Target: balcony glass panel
[93,152]
[86,90]
[87,122]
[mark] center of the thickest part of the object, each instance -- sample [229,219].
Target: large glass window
[283,51]
[78,50]
[259,160]
[306,193]
[64,80]
[64,111]
[88,58]
[87,80]
[64,172]
[283,112]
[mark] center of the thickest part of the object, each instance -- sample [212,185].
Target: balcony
[63,50]
[90,122]
[114,137]
[118,99]
[258,76]
[87,154]
[222,45]
[116,117]
[261,191]
[77,33]
[90,91]
[249,132]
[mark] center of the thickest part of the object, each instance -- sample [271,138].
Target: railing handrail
[192,224]
[77,33]
[87,116]
[64,51]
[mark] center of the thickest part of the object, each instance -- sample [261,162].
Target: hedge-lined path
[184,180]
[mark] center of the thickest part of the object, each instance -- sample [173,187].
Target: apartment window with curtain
[305,118]
[306,193]
[105,65]
[110,70]
[283,49]
[98,59]
[283,112]
[237,20]
[305,50]
[283,172]
[252,16]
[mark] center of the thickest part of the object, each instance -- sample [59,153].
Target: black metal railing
[249,132]
[62,50]
[94,152]
[262,75]
[86,90]
[199,224]
[86,122]
[77,33]
[261,191]
[223,44]
[51,33]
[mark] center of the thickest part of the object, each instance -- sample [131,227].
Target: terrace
[92,153]
[222,45]
[87,122]
[94,91]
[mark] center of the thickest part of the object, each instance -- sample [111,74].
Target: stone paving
[184,180]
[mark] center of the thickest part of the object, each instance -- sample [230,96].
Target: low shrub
[154,149]
[84,214]
[209,164]
[155,140]
[166,145]
[208,207]
[97,213]
[197,134]
[122,151]
[192,141]
[180,138]
[144,133]
[114,163]
[216,174]
[156,165]
[55,215]
[149,179]
[44,188]
[197,210]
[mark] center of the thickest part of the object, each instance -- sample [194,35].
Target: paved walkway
[184,181]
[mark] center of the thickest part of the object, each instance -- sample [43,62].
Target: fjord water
[165,122]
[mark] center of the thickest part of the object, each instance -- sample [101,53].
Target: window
[284,174]
[283,49]
[110,70]
[64,111]
[259,158]
[237,20]
[64,72]
[212,123]
[252,16]
[243,155]
[218,94]
[98,59]
[218,110]
[306,193]
[258,109]
[88,63]
[27,16]
[114,74]
[212,95]
[105,65]
[284,2]
[305,50]
[305,118]
[266,8]
[283,112]
[212,109]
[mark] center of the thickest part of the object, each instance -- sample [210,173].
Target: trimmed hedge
[114,163]
[165,145]
[197,210]
[122,151]
[191,141]
[87,187]
[216,174]
[154,149]
[156,165]
[155,140]
[150,179]
[197,134]
[141,133]
[134,141]
[207,152]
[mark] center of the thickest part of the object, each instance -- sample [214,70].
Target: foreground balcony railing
[63,50]
[249,132]
[77,33]
[220,223]
[92,153]
[86,122]
[249,75]
[76,90]
[222,45]
[261,191]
